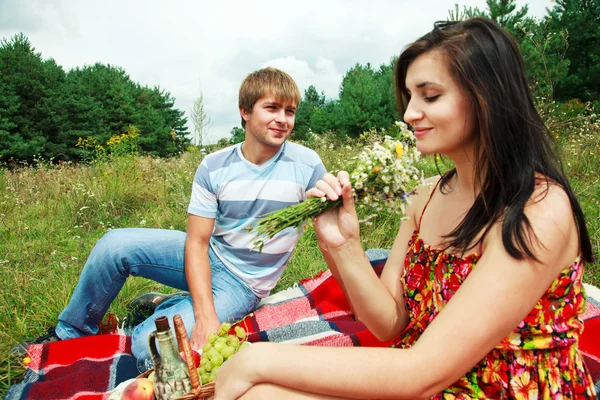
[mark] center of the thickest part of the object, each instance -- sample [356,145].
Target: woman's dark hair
[513,143]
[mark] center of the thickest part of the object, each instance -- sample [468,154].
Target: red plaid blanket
[590,340]
[85,369]
[313,312]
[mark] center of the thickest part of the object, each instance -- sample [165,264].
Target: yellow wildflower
[377,169]
[399,149]
[26,360]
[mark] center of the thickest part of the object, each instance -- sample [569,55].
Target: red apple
[196,357]
[139,389]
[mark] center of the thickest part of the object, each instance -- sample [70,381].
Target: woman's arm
[331,265]
[379,303]
[385,323]
[492,301]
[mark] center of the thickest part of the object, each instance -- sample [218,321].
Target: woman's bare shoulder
[425,189]
[421,195]
[552,231]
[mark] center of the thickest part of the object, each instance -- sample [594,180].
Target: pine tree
[365,99]
[308,106]
[581,19]
[30,87]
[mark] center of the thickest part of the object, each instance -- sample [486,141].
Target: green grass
[51,216]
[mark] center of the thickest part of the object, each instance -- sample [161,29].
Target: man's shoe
[141,308]
[20,349]
[146,303]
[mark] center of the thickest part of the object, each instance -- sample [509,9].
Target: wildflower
[399,150]
[26,360]
[384,176]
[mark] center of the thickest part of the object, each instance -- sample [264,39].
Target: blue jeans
[154,254]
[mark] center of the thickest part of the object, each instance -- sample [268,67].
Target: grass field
[51,216]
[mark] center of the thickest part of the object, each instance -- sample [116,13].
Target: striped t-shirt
[236,193]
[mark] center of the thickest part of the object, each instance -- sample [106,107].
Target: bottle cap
[162,324]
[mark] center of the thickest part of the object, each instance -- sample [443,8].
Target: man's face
[271,121]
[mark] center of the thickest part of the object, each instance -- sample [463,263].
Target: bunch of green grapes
[219,347]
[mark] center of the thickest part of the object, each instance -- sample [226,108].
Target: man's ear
[245,114]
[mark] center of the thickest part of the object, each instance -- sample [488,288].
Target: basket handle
[183,341]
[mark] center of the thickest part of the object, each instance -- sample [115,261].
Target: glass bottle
[172,374]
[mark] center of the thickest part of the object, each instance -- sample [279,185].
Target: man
[232,189]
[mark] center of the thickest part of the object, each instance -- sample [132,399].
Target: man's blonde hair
[267,81]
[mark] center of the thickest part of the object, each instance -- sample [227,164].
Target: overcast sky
[187,46]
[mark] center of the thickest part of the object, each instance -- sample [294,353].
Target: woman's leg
[270,391]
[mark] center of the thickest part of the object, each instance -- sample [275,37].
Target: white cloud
[185,46]
[323,74]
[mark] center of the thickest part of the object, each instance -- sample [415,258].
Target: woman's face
[438,110]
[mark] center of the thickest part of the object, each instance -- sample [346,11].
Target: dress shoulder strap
[428,200]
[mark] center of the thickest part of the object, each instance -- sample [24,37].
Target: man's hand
[201,330]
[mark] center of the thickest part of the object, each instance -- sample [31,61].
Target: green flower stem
[292,216]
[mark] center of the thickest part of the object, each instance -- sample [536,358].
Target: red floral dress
[538,360]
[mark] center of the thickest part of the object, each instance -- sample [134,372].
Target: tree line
[561,53]
[44,111]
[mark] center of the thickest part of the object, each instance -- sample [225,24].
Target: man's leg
[151,253]
[233,301]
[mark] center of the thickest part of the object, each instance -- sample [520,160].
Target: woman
[482,290]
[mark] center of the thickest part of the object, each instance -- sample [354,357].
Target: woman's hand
[239,373]
[338,226]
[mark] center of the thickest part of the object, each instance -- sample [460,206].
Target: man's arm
[198,275]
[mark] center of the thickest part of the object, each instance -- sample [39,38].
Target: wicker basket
[198,392]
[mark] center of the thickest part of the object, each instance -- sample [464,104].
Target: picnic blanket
[590,339]
[312,312]
[86,368]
